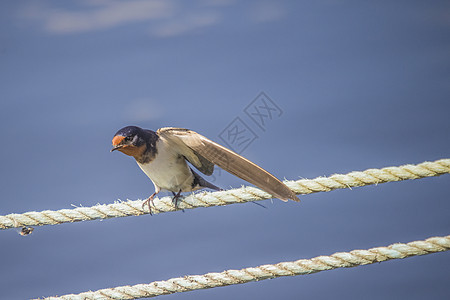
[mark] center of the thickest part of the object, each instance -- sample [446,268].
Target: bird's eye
[128,138]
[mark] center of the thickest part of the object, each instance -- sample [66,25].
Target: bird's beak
[116,148]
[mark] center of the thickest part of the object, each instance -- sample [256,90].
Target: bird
[164,155]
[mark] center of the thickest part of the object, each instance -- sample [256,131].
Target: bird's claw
[147,202]
[175,199]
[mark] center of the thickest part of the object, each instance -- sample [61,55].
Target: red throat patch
[134,151]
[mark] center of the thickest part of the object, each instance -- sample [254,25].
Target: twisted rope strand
[239,195]
[300,267]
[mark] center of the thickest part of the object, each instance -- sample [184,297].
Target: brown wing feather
[229,161]
[196,159]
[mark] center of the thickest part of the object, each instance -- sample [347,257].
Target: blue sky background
[360,84]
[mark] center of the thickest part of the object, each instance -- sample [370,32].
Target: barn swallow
[163,157]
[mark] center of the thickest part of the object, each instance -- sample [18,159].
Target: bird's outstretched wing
[204,154]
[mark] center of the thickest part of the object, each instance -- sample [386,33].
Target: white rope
[240,195]
[300,267]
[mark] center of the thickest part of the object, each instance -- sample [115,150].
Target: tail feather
[202,183]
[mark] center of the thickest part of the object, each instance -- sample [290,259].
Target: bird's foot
[175,199]
[148,201]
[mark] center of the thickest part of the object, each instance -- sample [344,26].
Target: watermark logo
[237,135]
[262,110]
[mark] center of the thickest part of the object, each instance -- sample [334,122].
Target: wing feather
[196,159]
[200,148]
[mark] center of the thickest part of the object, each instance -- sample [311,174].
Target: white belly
[168,171]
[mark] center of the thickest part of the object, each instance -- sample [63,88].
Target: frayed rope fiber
[239,195]
[300,267]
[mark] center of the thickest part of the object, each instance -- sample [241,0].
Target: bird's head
[129,140]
